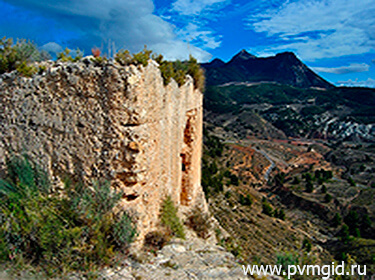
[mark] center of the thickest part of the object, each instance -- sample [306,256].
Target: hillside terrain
[292,159]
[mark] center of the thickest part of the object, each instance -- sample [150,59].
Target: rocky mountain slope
[337,113]
[286,97]
[284,68]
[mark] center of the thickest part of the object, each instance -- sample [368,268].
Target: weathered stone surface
[193,258]
[109,122]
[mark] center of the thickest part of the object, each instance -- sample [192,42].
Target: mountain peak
[243,55]
[283,68]
[287,55]
[217,62]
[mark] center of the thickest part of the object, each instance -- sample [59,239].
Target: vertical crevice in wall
[186,162]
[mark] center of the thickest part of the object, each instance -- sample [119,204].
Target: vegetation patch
[19,56]
[69,55]
[176,70]
[169,218]
[200,222]
[59,232]
[155,240]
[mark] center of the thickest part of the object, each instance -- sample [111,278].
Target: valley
[289,166]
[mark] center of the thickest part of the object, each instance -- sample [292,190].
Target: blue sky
[334,37]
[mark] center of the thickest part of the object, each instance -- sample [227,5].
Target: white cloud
[199,37]
[352,68]
[356,83]
[195,7]
[129,24]
[181,50]
[319,28]
[193,17]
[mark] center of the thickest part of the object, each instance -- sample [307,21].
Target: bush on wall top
[20,55]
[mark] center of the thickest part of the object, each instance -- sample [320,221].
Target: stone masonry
[92,122]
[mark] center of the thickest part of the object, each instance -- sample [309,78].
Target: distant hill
[284,68]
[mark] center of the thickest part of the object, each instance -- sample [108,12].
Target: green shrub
[167,71]
[344,234]
[169,218]
[67,55]
[337,220]
[171,70]
[197,73]
[366,221]
[74,230]
[356,232]
[124,57]
[26,70]
[231,246]
[327,198]
[323,175]
[234,180]
[351,182]
[286,259]
[324,189]
[176,70]
[17,56]
[309,187]
[280,179]
[306,245]
[353,221]
[212,182]
[142,57]
[107,230]
[199,222]
[280,214]
[228,194]
[9,59]
[180,77]
[29,52]
[179,69]
[245,200]
[214,146]
[213,168]
[301,258]
[267,208]
[156,240]
[296,181]
[42,69]
[99,60]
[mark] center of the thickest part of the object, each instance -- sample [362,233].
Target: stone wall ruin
[121,124]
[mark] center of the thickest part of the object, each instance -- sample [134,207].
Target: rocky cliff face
[91,122]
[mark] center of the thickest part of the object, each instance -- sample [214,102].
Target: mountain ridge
[284,68]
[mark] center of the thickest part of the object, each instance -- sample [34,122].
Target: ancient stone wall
[121,124]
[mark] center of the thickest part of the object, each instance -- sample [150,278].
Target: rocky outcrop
[193,258]
[350,130]
[91,121]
